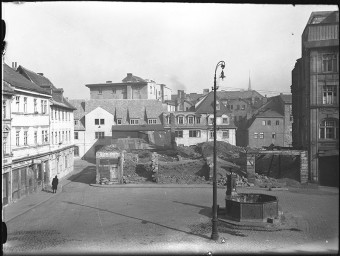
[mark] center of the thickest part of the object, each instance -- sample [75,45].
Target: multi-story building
[28,135]
[192,127]
[315,89]
[102,122]
[270,124]
[7,95]
[131,87]
[61,126]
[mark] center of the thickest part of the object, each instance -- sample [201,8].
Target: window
[62,115]
[4,144]
[291,118]
[99,135]
[225,120]
[75,122]
[58,114]
[4,109]
[101,121]
[59,137]
[225,134]
[179,134]
[42,106]
[42,136]
[194,134]
[269,122]
[150,89]
[100,91]
[263,122]
[56,138]
[25,104]
[35,137]
[52,139]
[212,120]
[17,138]
[119,121]
[113,91]
[180,120]
[277,122]
[152,121]
[75,135]
[329,63]
[45,107]
[231,107]
[211,133]
[255,135]
[218,107]
[273,135]
[134,121]
[63,136]
[17,102]
[25,137]
[243,107]
[328,129]
[198,120]
[168,119]
[329,94]
[261,135]
[96,121]
[76,151]
[191,119]
[237,107]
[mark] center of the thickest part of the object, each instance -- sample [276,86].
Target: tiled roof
[269,113]
[6,88]
[120,108]
[146,127]
[207,105]
[286,98]
[238,94]
[17,80]
[35,78]
[44,82]
[80,108]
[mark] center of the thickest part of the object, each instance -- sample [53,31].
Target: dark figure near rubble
[55,184]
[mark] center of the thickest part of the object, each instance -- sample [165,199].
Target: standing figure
[55,184]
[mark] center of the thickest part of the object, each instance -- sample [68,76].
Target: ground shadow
[86,176]
[143,171]
[142,220]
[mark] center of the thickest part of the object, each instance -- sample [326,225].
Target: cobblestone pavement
[82,218]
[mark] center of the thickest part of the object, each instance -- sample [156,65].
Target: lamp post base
[214,233]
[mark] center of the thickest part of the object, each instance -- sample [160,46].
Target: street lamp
[214,233]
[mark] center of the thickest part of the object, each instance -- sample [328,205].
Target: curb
[150,186]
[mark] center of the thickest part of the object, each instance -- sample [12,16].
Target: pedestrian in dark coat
[55,184]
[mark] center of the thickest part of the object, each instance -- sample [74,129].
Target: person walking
[55,184]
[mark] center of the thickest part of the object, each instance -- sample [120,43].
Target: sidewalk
[13,210]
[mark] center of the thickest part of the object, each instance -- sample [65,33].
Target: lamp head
[222,74]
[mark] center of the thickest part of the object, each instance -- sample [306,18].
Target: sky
[176,44]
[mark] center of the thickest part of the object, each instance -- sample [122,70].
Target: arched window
[328,129]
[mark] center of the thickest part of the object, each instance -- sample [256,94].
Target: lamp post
[214,233]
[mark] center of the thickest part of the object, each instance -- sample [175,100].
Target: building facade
[271,124]
[131,87]
[104,121]
[315,89]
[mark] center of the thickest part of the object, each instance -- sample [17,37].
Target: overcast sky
[177,44]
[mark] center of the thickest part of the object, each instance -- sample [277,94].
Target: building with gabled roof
[103,121]
[270,124]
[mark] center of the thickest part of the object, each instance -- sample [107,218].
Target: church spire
[249,84]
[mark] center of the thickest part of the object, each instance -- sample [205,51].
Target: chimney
[41,74]
[108,82]
[205,91]
[14,65]
[129,74]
